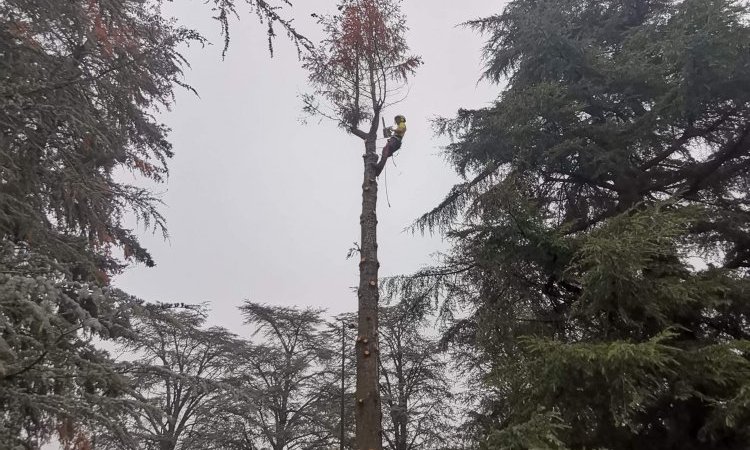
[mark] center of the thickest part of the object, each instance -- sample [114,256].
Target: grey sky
[262,207]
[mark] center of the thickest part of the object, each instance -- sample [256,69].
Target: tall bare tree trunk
[368,412]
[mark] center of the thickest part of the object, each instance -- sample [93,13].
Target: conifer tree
[419,407]
[81,83]
[54,381]
[175,379]
[414,383]
[280,389]
[602,252]
[356,72]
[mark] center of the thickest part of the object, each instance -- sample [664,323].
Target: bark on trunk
[368,411]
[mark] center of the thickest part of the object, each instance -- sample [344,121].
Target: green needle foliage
[54,380]
[81,83]
[598,284]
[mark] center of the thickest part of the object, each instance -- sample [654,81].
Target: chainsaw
[386,131]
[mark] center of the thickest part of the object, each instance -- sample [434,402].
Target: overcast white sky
[262,207]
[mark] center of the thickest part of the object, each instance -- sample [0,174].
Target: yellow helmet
[400,118]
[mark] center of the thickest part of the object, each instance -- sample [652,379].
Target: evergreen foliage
[283,382]
[414,384]
[54,380]
[598,283]
[81,82]
[175,377]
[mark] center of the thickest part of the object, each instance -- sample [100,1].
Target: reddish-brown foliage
[363,62]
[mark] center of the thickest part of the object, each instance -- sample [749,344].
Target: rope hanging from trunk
[385,176]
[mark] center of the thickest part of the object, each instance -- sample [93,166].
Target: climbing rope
[385,176]
[385,172]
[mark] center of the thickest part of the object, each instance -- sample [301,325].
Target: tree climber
[395,135]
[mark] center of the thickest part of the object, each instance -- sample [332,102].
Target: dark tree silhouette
[601,243]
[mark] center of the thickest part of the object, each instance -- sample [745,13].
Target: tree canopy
[361,66]
[600,236]
[81,87]
[595,294]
